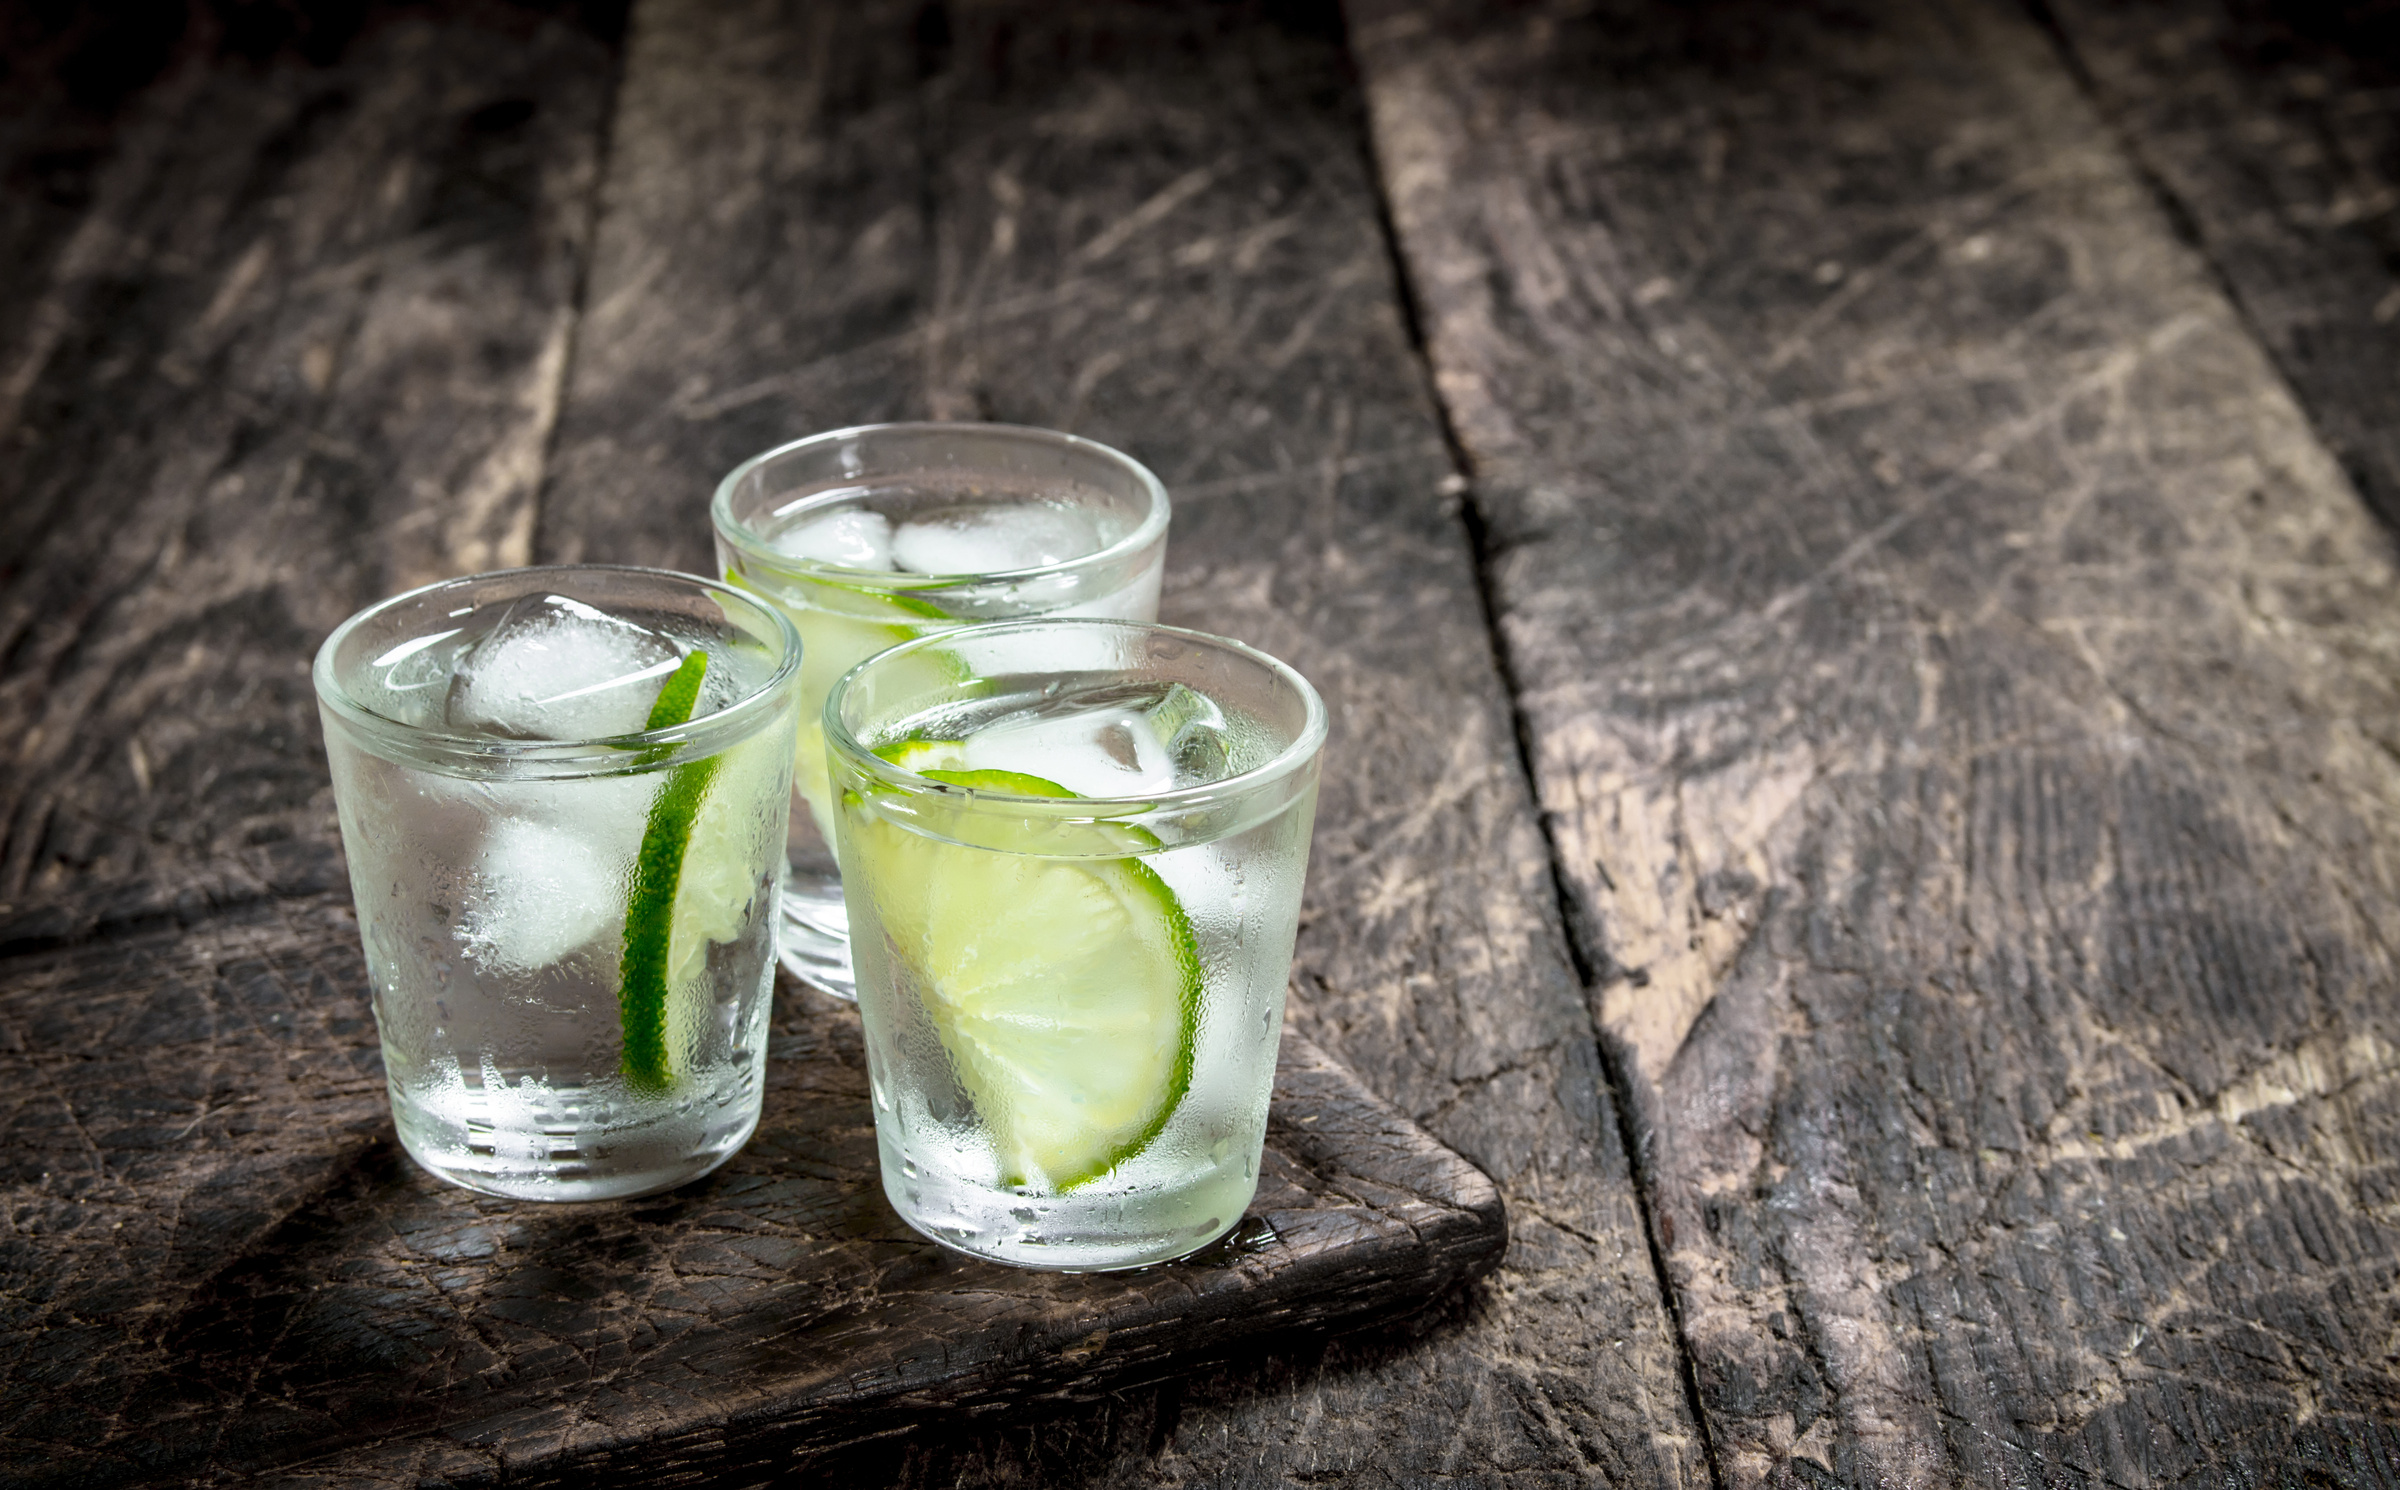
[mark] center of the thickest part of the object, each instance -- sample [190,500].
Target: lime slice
[833,641]
[830,646]
[1066,990]
[692,885]
[724,860]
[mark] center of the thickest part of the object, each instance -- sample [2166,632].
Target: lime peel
[642,975]
[680,694]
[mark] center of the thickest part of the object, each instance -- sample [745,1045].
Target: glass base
[1074,1233]
[1025,1248]
[813,941]
[570,1164]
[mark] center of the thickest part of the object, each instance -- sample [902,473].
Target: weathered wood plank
[64,76]
[285,340]
[167,1102]
[1963,694]
[2275,129]
[1155,226]
[214,1262]
[302,349]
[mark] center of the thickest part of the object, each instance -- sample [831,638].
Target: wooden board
[2274,133]
[393,1330]
[1962,691]
[1157,226]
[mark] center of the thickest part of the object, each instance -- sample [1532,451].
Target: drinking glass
[563,796]
[867,537]
[1073,852]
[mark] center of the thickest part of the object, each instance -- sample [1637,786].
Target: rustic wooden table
[1841,542]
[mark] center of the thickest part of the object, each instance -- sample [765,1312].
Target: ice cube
[536,894]
[986,539]
[1121,748]
[1190,730]
[852,538]
[557,669]
[1092,753]
[411,681]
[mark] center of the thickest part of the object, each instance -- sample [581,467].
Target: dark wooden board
[2275,132]
[1157,226]
[1962,690]
[393,1330]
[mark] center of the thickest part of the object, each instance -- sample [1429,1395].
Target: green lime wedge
[1065,990]
[680,694]
[692,885]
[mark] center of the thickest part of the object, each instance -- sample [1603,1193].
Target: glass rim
[1304,748]
[755,549]
[643,748]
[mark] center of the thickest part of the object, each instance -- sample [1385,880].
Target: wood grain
[1156,226]
[393,1330]
[1962,691]
[2274,131]
[301,349]
[281,331]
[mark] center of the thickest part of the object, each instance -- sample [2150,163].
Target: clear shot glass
[869,537]
[563,796]
[1073,852]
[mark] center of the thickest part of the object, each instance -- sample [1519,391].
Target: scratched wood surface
[2274,132]
[1909,511]
[301,349]
[1961,687]
[291,353]
[1157,226]
[395,1331]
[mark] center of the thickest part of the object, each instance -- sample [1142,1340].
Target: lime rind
[869,602]
[679,694]
[886,600]
[918,754]
[644,977]
[642,972]
[1131,838]
[944,762]
[691,887]
[1186,950]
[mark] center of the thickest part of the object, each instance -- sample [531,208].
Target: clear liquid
[942,1168]
[844,624]
[492,909]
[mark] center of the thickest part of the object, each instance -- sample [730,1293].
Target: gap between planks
[1585,960]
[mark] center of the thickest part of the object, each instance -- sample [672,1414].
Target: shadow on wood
[392,1328]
